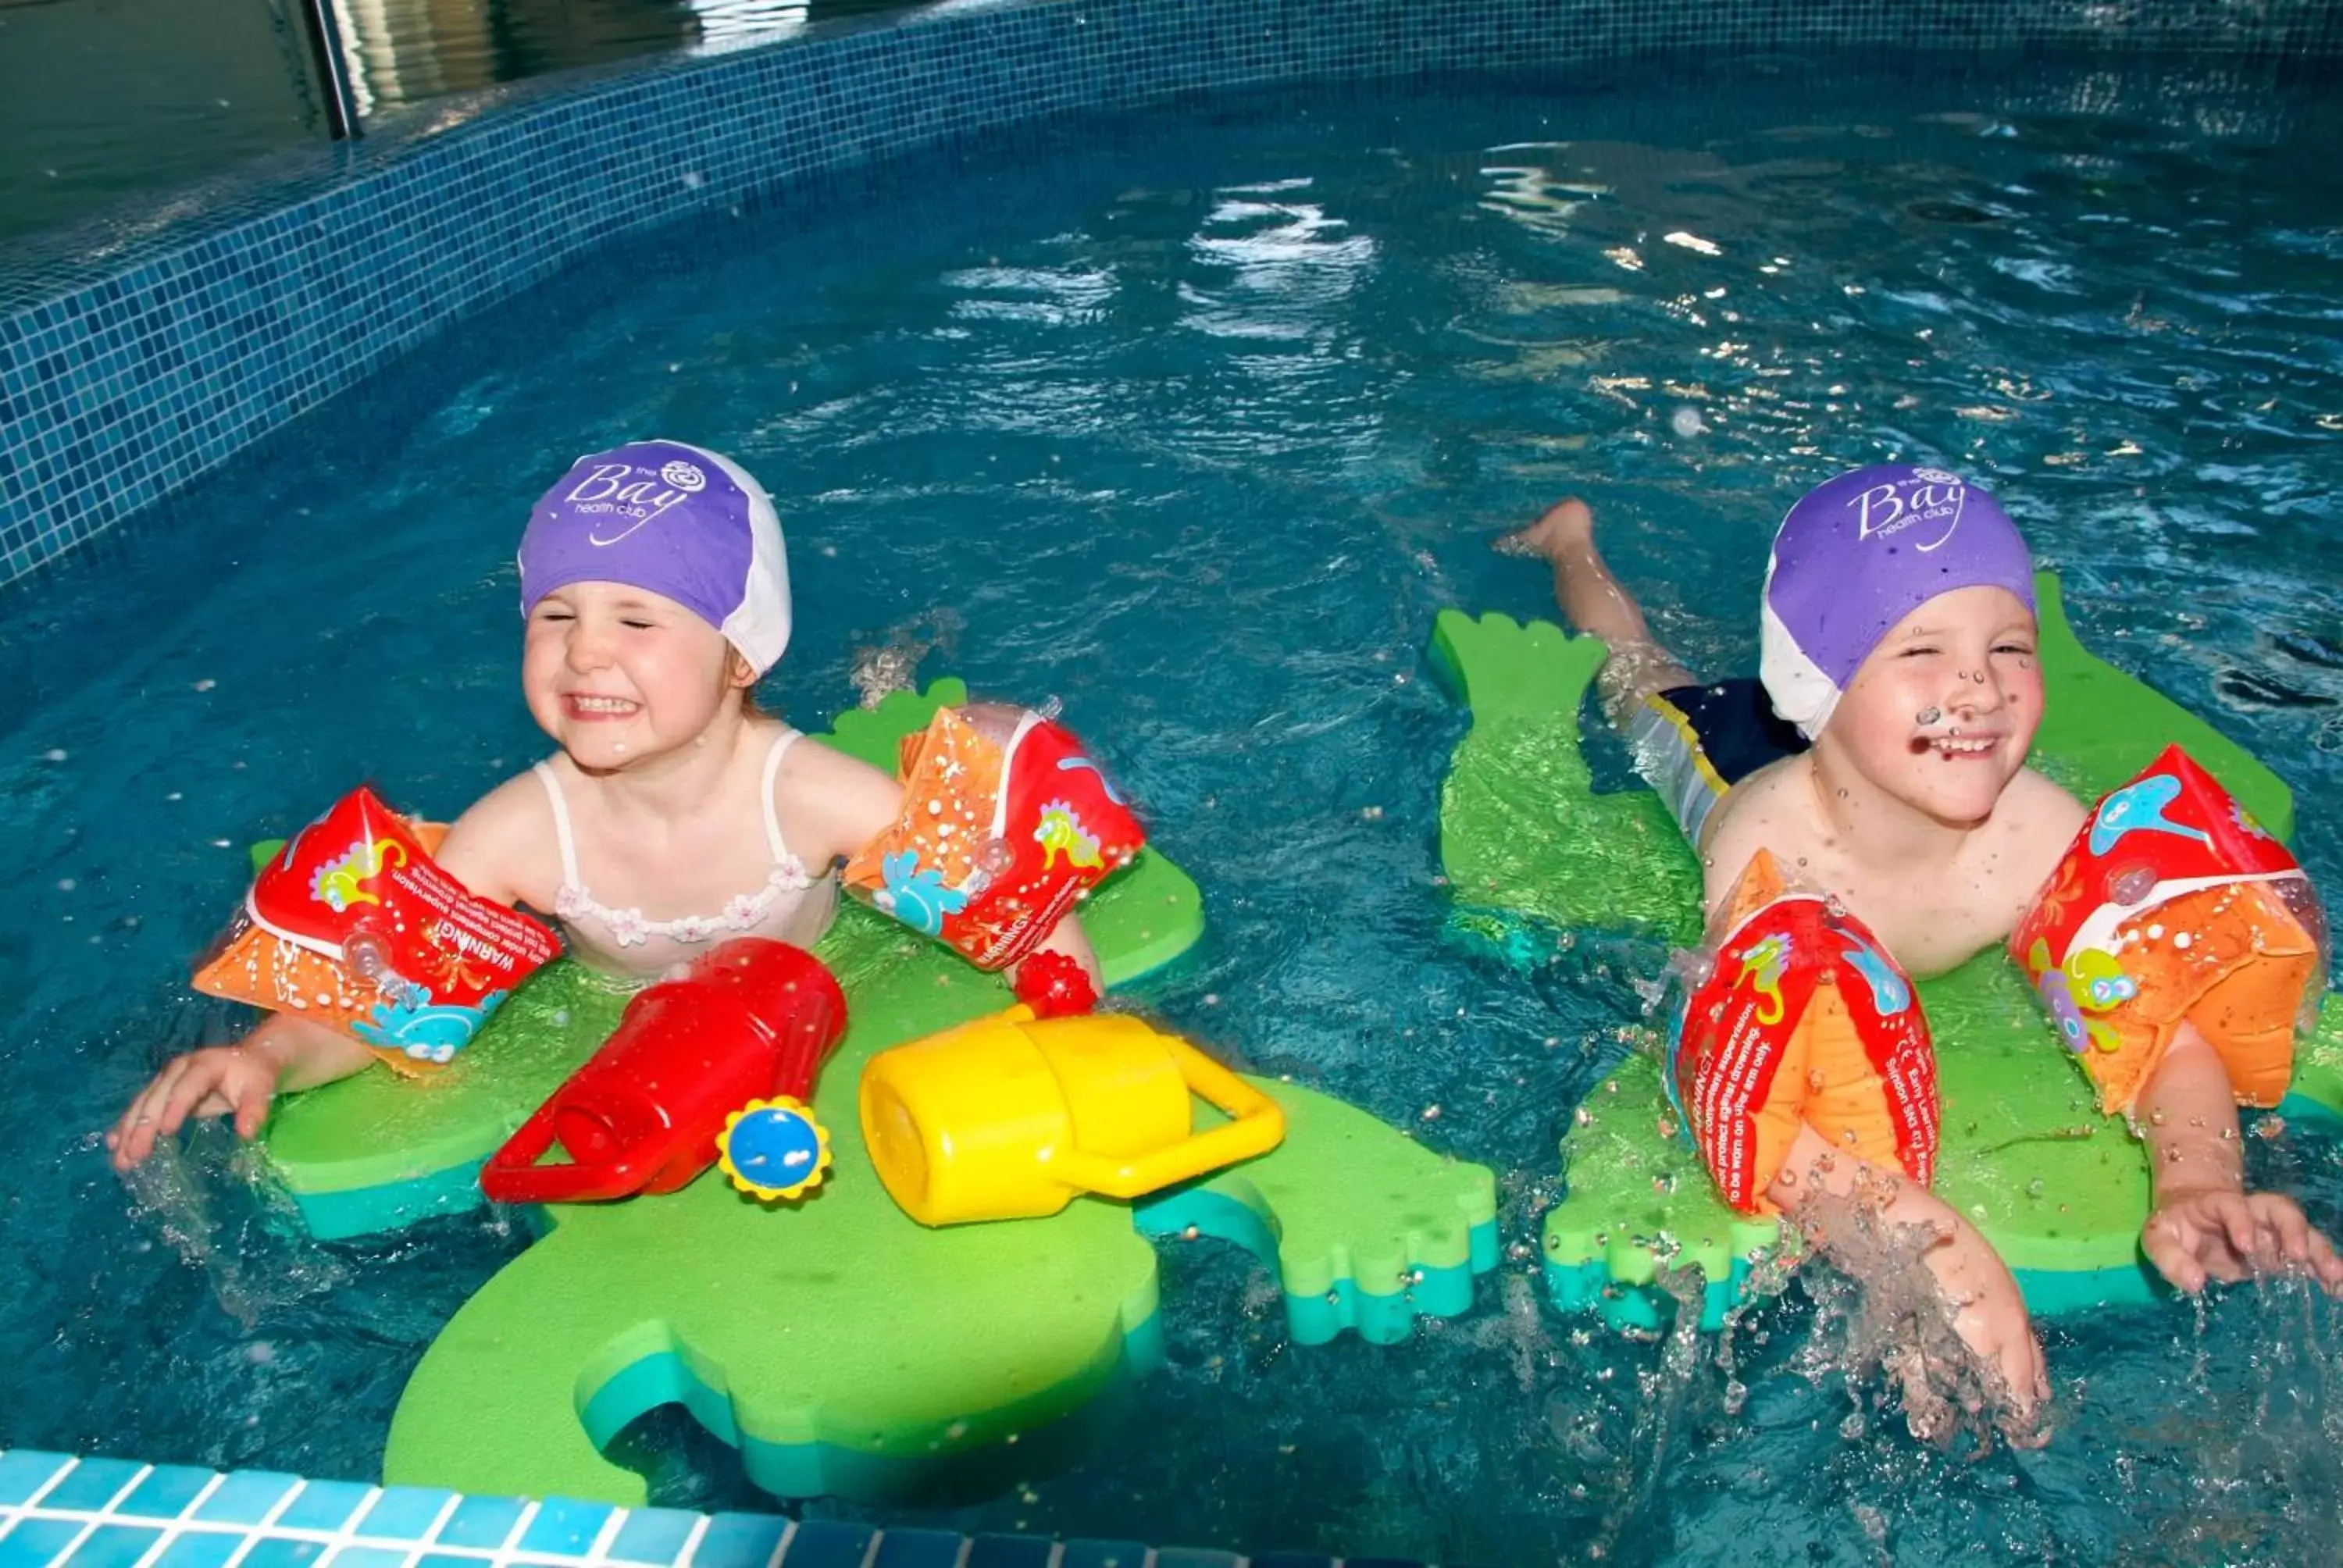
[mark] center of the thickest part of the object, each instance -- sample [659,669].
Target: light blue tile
[34,1541]
[201,1549]
[114,1545]
[166,1494]
[24,1470]
[94,1483]
[247,1496]
[483,1522]
[325,1505]
[356,1555]
[653,1535]
[278,1552]
[403,1514]
[740,1541]
[565,1527]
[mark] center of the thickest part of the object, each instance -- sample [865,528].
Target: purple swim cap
[675,519]
[1859,553]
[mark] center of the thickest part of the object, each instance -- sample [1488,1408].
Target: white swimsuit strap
[570,876]
[781,744]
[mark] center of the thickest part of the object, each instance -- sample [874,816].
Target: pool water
[1195,420]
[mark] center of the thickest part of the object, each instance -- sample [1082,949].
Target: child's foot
[1567,527]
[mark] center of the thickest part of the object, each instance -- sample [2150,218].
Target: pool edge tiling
[58,1511]
[143,355]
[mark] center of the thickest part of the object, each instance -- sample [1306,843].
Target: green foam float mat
[1532,850]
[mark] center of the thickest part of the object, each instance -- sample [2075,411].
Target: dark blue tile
[1009,1552]
[917,1549]
[827,1544]
[1103,1555]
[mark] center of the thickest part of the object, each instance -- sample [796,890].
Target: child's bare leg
[1595,605]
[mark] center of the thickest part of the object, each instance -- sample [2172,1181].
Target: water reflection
[405,51]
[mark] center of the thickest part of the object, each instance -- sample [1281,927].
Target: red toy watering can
[749,1018]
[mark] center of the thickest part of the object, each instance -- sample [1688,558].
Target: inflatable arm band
[2173,906]
[354,925]
[1005,824]
[1804,1019]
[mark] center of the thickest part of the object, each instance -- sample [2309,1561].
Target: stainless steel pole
[317,20]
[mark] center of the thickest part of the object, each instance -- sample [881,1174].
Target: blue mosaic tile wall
[137,354]
[58,1511]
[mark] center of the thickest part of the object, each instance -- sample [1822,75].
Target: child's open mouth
[580,704]
[1959,746]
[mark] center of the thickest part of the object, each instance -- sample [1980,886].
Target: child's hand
[2224,1234]
[217,1080]
[1993,1323]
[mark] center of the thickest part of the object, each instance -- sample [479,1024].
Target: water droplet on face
[1928,715]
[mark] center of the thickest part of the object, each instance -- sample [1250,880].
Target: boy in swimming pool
[674,815]
[1881,755]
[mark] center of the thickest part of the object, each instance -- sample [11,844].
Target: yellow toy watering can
[1010,1117]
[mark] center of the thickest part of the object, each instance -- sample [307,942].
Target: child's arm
[844,803]
[2205,1225]
[1987,1310]
[286,1053]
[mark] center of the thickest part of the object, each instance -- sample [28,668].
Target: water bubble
[54,754]
[1928,715]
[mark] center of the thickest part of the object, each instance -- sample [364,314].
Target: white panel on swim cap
[1800,691]
[759,625]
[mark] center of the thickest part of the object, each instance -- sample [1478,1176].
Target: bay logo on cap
[715,550]
[1857,554]
[1925,496]
[612,488]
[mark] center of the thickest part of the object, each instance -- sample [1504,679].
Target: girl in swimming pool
[675,815]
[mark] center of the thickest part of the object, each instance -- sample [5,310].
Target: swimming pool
[1195,418]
